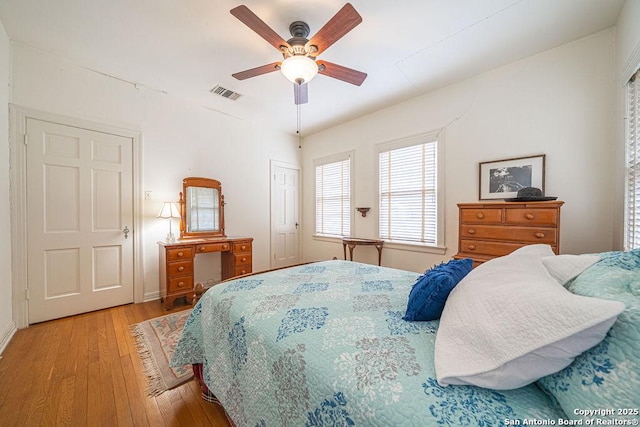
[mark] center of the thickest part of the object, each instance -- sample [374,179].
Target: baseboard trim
[151,296]
[6,336]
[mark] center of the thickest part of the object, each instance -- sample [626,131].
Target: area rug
[156,340]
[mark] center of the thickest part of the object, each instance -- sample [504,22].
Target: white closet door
[284,216]
[79,220]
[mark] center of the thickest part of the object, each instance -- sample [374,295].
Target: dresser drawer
[212,247]
[480,216]
[242,269]
[177,254]
[179,268]
[519,234]
[178,284]
[242,259]
[494,249]
[548,217]
[241,247]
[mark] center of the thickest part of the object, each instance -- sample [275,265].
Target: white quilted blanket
[509,323]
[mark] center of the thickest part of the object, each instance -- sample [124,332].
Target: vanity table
[201,231]
[176,261]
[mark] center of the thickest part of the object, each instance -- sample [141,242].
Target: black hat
[530,194]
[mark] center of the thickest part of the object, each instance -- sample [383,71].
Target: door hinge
[26,294]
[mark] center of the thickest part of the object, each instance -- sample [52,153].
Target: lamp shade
[169,210]
[299,69]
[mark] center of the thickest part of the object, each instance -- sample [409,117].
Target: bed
[326,344]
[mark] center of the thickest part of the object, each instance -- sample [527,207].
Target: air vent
[225,93]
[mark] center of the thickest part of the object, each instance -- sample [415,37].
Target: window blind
[333,198]
[632,193]
[408,193]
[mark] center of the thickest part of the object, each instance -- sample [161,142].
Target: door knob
[126,232]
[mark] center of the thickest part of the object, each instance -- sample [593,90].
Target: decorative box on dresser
[489,230]
[176,263]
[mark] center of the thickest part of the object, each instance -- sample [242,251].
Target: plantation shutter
[408,193]
[333,198]
[632,193]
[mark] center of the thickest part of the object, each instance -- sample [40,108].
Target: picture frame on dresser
[501,179]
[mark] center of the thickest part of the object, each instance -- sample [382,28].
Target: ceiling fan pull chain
[299,113]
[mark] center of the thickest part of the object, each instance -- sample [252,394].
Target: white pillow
[563,268]
[508,323]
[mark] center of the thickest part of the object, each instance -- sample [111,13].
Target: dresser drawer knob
[472,247]
[243,247]
[243,259]
[201,248]
[225,247]
[180,254]
[180,284]
[471,231]
[480,215]
[530,216]
[181,268]
[243,272]
[539,235]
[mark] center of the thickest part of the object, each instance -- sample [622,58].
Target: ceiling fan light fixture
[299,69]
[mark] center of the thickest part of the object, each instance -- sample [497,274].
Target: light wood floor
[84,371]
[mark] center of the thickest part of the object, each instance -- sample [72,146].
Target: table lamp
[169,210]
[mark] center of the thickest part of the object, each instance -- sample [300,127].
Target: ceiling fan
[300,64]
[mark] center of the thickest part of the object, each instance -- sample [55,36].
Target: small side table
[352,242]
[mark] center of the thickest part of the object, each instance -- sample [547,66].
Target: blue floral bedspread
[607,375]
[324,344]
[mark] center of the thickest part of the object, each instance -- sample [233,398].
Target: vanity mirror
[201,208]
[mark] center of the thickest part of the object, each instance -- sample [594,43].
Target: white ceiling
[407,47]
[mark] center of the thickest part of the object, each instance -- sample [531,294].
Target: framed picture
[501,179]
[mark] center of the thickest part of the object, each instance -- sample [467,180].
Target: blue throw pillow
[430,292]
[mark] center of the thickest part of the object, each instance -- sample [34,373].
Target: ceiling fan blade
[300,93]
[339,72]
[252,21]
[342,22]
[264,69]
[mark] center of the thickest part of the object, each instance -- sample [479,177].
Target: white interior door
[284,216]
[79,220]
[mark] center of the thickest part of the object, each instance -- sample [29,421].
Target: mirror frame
[206,183]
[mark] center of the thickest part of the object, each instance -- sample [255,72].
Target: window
[333,196]
[632,193]
[409,188]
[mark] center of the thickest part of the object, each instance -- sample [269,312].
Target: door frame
[272,166]
[18,200]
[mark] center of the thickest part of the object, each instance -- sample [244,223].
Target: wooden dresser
[489,230]
[176,263]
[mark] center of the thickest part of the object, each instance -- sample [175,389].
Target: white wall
[627,61]
[7,326]
[560,103]
[179,140]
[628,37]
